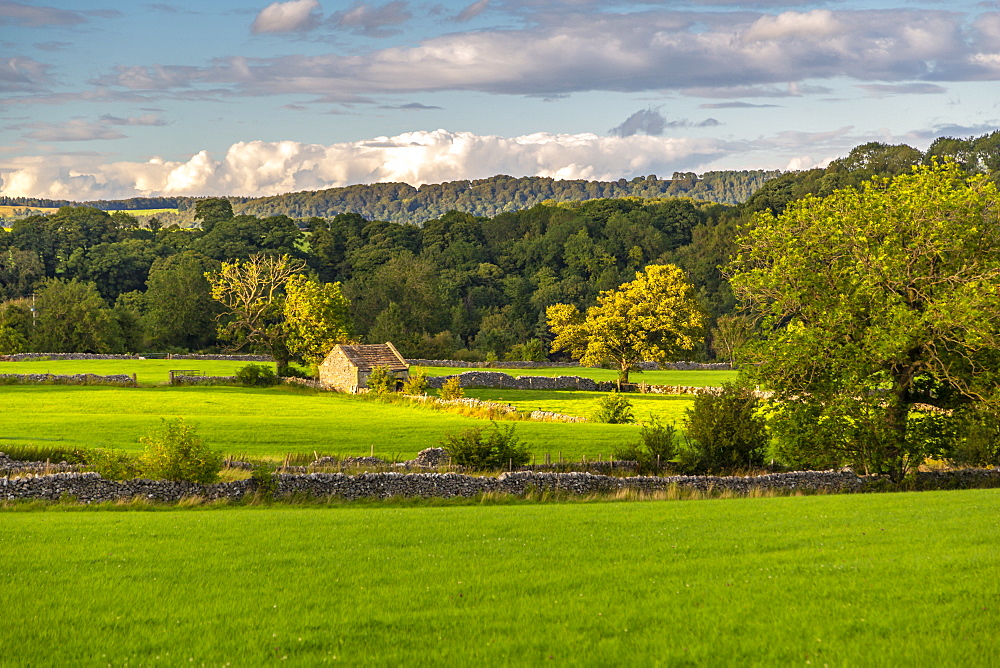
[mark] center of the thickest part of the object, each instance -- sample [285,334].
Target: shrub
[114,464]
[174,452]
[656,448]
[264,481]
[613,409]
[726,431]
[256,375]
[486,448]
[452,389]
[416,384]
[381,380]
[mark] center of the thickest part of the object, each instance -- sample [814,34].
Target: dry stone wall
[92,488]
[122,380]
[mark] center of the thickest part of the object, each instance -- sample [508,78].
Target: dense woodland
[459,285]
[402,203]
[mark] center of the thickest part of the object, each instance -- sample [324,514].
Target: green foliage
[726,431]
[651,318]
[264,479]
[416,382]
[656,448]
[256,375]
[250,292]
[175,452]
[381,380]
[72,318]
[485,448]
[977,441]
[872,301]
[114,464]
[317,317]
[12,341]
[532,350]
[614,408]
[451,389]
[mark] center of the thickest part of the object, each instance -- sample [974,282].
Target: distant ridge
[403,203]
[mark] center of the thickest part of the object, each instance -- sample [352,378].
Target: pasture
[265,422]
[895,579]
[274,422]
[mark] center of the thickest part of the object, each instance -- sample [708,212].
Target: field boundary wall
[92,488]
[645,366]
[121,380]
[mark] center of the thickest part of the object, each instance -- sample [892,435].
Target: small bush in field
[381,380]
[114,464]
[416,384]
[613,409]
[452,389]
[175,452]
[656,448]
[726,431]
[256,375]
[486,448]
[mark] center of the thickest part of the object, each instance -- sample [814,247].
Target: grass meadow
[865,580]
[274,422]
[265,422]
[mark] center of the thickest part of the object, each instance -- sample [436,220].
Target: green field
[659,377]
[866,580]
[267,422]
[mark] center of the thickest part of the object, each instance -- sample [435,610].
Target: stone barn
[346,368]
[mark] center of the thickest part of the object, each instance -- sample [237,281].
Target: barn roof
[367,357]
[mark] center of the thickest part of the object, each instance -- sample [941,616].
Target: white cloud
[257,168]
[292,16]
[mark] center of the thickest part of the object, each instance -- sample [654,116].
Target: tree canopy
[872,302]
[652,318]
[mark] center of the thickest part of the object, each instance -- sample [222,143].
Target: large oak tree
[872,303]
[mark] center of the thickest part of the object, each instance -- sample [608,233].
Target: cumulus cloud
[371,20]
[257,168]
[292,16]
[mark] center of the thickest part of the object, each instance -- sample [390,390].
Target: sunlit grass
[265,422]
[895,579]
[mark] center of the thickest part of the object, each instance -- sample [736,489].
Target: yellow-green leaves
[316,318]
[652,318]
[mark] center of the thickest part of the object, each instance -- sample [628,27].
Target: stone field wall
[645,366]
[92,488]
[122,380]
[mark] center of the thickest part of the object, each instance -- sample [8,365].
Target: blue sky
[118,99]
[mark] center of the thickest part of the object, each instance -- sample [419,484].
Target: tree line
[460,285]
[405,204]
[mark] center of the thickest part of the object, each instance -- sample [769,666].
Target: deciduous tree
[652,318]
[872,301]
[251,291]
[317,317]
